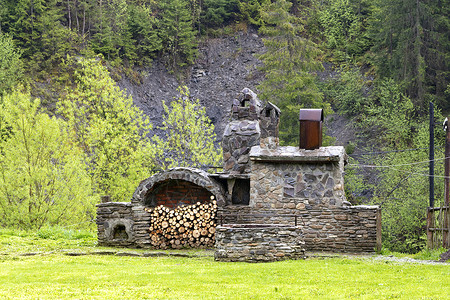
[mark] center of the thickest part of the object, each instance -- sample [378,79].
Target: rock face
[224,66]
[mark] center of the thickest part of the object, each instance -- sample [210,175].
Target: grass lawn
[50,274]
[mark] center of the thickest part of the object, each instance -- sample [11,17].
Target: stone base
[258,243]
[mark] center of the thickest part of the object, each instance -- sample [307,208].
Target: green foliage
[177,33]
[42,176]
[394,114]
[347,93]
[390,121]
[38,30]
[410,46]
[10,64]
[143,27]
[110,129]
[343,29]
[251,10]
[289,64]
[218,12]
[189,139]
[403,181]
[402,192]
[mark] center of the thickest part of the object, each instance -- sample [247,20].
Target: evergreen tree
[4,12]
[37,29]
[344,29]
[289,63]
[438,54]
[103,39]
[143,27]
[122,34]
[25,25]
[196,9]
[177,33]
[56,41]
[251,10]
[218,12]
[411,47]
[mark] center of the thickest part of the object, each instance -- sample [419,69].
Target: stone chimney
[269,122]
[242,133]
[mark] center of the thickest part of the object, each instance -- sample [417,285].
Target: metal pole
[445,240]
[447,165]
[431,178]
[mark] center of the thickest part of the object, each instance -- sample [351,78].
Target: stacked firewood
[185,226]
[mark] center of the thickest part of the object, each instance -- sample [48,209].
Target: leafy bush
[347,93]
[10,63]
[403,186]
[110,129]
[189,138]
[43,179]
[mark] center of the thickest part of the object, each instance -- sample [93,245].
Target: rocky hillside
[223,68]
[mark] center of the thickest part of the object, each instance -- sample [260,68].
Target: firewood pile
[187,226]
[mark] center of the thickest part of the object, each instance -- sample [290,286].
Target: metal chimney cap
[311,114]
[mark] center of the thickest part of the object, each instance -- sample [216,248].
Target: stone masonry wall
[115,224]
[141,224]
[288,177]
[238,138]
[258,243]
[352,229]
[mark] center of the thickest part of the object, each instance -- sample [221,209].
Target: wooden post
[379,242]
[447,214]
[445,233]
[430,227]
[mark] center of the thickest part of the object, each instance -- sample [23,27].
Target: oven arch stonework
[195,176]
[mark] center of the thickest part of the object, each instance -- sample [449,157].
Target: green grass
[53,275]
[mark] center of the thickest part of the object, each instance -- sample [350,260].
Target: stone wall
[288,177]
[115,224]
[238,138]
[241,133]
[147,190]
[291,186]
[352,229]
[258,243]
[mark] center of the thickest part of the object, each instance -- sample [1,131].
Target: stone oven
[262,185]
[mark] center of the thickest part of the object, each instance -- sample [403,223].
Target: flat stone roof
[294,154]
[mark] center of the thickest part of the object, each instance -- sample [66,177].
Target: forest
[68,134]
